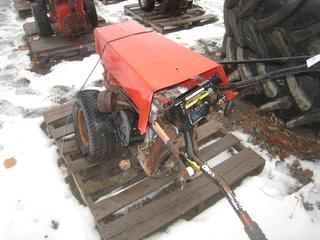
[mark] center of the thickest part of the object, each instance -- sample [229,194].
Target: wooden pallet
[48,51]
[23,7]
[108,2]
[129,213]
[164,23]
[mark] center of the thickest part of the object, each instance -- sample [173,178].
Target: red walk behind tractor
[157,94]
[72,17]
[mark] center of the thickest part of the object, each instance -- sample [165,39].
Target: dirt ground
[269,132]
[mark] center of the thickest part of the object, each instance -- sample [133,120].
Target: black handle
[254,232]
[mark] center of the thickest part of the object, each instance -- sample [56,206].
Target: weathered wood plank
[50,50]
[23,7]
[58,112]
[166,22]
[208,129]
[116,181]
[220,146]
[62,131]
[68,146]
[161,211]
[112,204]
[108,2]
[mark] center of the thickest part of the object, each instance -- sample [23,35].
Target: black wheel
[273,28]
[94,131]
[42,4]
[91,12]
[147,5]
[41,19]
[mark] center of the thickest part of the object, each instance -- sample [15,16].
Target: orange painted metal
[83,127]
[143,62]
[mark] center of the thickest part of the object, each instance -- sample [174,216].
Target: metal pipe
[270,75]
[267,60]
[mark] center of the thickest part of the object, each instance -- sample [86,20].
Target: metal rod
[270,75]
[267,60]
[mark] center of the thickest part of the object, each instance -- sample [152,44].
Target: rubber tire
[41,19]
[100,127]
[273,28]
[91,12]
[148,6]
[42,4]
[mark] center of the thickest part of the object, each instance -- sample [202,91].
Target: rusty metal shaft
[155,126]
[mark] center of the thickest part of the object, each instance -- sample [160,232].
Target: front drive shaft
[252,228]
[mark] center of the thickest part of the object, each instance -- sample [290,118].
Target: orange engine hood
[144,62]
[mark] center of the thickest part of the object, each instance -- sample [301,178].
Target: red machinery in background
[72,17]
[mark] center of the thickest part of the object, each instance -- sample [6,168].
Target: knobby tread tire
[273,28]
[91,12]
[147,5]
[101,131]
[41,20]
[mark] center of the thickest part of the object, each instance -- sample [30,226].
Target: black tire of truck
[147,5]
[41,19]
[91,12]
[94,131]
[273,28]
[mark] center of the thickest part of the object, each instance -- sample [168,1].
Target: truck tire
[147,5]
[91,12]
[273,28]
[94,131]
[41,19]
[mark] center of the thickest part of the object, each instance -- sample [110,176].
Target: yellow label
[197,99]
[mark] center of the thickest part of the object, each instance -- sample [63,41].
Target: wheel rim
[83,130]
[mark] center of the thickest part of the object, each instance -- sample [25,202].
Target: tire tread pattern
[100,127]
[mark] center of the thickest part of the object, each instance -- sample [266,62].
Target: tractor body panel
[143,62]
[70,17]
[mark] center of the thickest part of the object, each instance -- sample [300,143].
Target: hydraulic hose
[270,75]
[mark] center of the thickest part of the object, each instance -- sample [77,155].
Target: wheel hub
[83,130]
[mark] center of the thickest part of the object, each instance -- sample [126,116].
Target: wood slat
[62,131]
[176,203]
[68,146]
[55,112]
[23,7]
[80,164]
[116,181]
[166,18]
[165,22]
[207,129]
[112,204]
[220,146]
[187,20]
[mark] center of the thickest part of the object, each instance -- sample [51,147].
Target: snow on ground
[36,203]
